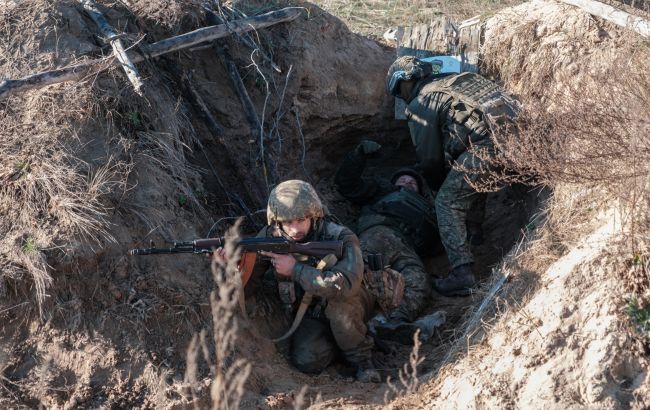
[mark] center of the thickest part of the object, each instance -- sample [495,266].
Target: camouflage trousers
[341,328]
[401,257]
[457,203]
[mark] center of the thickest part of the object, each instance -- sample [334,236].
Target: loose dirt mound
[564,347]
[555,335]
[90,170]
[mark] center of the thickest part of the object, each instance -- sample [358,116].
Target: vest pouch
[459,112]
[458,141]
[386,285]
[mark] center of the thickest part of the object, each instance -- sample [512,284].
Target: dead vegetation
[590,129]
[89,160]
[228,372]
[374,17]
[69,150]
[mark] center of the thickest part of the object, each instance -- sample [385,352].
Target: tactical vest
[405,211]
[476,102]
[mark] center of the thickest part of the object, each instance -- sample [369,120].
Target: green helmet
[406,68]
[293,199]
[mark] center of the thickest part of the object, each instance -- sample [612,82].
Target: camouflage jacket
[341,280]
[446,115]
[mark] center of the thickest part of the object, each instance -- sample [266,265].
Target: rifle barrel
[274,244]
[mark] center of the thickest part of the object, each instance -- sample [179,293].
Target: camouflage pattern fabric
[342,329]
[402,258]
[339,288]
[386,285]
[455,203]
[446,118]
[293,199]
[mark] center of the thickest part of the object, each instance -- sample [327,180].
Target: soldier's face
[407,182]
[297,229]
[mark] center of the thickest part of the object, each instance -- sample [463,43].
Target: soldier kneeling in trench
[340,305]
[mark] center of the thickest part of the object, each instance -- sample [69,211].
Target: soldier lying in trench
[397,222]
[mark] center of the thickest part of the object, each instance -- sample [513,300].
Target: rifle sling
[302,309]
[327,262]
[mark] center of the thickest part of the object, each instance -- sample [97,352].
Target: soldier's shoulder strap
[333,230]
[477,92]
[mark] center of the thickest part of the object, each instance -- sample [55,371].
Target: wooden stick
[217,130]
[614,15]
[214,19]
[235,78]
[79,71]
[238,84]
[113,38]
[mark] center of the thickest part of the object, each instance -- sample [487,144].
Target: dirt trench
[116,328]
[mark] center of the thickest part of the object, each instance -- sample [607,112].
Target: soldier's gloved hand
[367,148]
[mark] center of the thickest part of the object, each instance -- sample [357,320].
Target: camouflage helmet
[293,199]
[405,68]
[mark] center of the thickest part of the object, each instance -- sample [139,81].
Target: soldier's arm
[350,183]
[426,115]
[342,279]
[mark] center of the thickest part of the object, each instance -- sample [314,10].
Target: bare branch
[79,71]
[114,39]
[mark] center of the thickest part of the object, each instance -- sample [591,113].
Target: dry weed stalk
[408,374]
[229,373]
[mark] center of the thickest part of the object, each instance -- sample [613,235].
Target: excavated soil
[115,329]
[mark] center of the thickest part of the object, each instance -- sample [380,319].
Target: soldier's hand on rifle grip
[283,264]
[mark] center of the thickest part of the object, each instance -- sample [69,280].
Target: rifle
[250,248]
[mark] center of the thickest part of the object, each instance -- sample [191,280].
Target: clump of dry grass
[168,13]
[228,372]
[69,150]
[47,191]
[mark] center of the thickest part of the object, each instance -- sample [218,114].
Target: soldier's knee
[313,347]
[311,364]
[313,357]
[340,307]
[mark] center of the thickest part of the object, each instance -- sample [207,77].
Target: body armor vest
[477,92]
[476,102]
[407,212]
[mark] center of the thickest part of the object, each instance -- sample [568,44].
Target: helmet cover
[293,199]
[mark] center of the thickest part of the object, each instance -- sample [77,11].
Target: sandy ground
[116,328]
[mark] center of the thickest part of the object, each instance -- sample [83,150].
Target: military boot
[459,282]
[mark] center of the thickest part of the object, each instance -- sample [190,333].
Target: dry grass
[69,150]
[228,372]
[374,17]
[47,191]
[408,374]
[582,126]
